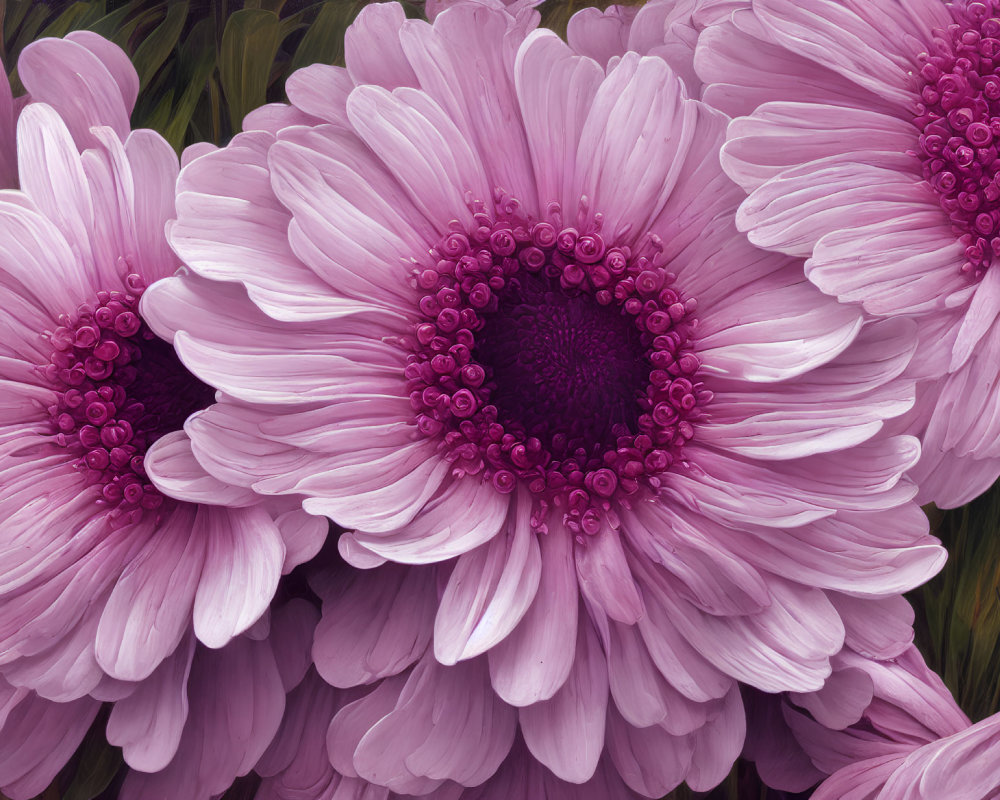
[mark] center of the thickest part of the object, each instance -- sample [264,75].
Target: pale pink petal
[423,149]
[650,760]
[375,623]
[243,558]
[876,628]
[489,590]
[150,607]
[237,230]
[372,51]
[633,144]
[743,67]
[554,111]
[641,693]
[536,657]
[880,57]
[154,169]
[785,647]
[841,701]
[601,35]
[38,739]
[566,732]
[448,724]
[236,703]
[465,62]
[604,575]
[175,471]
[321,90]
[466,514]
[147,724]
[717,744]
[858,393]
[793,211]
[909,264]
[83,86]
[352,223]
[779,135]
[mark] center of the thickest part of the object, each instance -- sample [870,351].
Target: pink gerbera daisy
[870,149]
[481,301]
[102,573]
[878,731]
[203,718]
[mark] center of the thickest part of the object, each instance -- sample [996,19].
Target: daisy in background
[878,731]
[103,576]
[869,146]
[481,301]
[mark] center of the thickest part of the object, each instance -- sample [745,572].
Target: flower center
[555,358]
[120,389]
[959,121]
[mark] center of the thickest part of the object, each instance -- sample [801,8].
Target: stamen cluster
[120,388]
[550,356]
[959,120]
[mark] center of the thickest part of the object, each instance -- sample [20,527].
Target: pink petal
[150,607]
[604,575]
[39,738]
[875,56]
[174,470]
[489,590]
[877,628]
[147,724]
[650,760]
[466,514]
[633,143]
[372,51]
[321,90]
[243,560]
[779,135]
[464,62]
[566,732]
[236,703]
[533,662]
[858,392]
[448,724]
[554,111]
[375,623]
[85,87]
[423,149]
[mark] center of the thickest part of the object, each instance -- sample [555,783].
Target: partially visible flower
[434,7]
[37,738]
[662,28]
[870,149]
[205,717]
[876,727]
[482,302]
[101,572]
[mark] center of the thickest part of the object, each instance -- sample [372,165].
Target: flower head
[879,729]
[102,573]
[481,302]
[868,148]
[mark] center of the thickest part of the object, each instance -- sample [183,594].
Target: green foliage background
[203,64]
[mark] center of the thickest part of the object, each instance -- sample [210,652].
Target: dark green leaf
[249,44]
[324,41]
[158,44]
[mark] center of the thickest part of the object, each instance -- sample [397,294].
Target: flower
[37,738]
[868,149]
[101,572]
[877,730]
[204,716]
[588,442]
